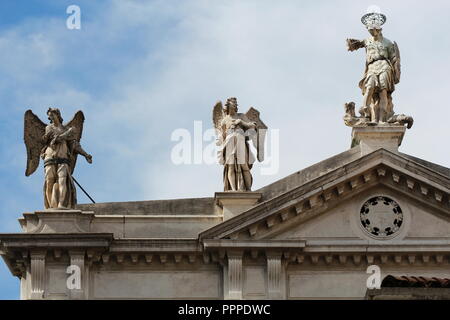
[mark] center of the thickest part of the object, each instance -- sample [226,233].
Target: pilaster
[234,288]
[77,259]
[274,274]
[37,258]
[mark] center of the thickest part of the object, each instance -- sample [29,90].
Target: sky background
[141,69]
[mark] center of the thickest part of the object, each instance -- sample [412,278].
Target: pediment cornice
[382,167]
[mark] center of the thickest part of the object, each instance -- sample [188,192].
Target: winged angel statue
[236,132]
[381,74]
[58,145]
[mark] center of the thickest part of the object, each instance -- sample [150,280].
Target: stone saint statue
[58,145]
[235,132]
[381,75]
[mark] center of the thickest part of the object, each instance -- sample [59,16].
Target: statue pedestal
[57,221]
[234,203]
[369,138]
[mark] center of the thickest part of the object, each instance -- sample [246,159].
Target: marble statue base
[370,139]
[57,221]
[234,203]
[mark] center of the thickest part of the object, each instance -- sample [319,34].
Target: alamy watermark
[374,280]
[73,22]
[73,281]
[201,146]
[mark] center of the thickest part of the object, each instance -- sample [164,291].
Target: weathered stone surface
[179,218]
[57,221]
[194,206]
[158,284]
[234,203]
[432,166]
[373,138]
[301,177]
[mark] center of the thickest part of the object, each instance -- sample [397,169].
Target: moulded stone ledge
[57,221]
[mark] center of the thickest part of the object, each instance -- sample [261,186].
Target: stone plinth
[57,221]
[370,138]
[234,203]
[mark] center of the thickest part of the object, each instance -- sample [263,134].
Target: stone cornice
[359,245]
[417,170]
[356,258]
[54,240]
[17,248]
[252,244]
[155,245]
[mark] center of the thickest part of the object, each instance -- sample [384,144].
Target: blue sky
[141,69]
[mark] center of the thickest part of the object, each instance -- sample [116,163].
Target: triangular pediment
[381,172]
[343,221]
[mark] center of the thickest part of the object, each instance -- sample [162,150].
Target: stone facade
[298,238]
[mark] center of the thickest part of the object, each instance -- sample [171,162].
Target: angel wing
[34,130]
[220,131]
[77,126]
[217,119]
[217,114]
[397,64]
[261,129]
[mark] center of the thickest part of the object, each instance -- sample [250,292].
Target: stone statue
[351,120]
[381,75]
[235,131]
[350,117]
[58,145]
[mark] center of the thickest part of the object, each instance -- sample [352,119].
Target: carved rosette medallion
[381,217]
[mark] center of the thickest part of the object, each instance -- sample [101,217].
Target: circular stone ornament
[381,217]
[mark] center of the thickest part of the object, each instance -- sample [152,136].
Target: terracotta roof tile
[414,282]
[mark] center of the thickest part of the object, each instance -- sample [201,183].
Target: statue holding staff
[58,145]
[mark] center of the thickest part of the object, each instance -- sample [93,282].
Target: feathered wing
[397,63]
[217,115]
[77,126]
[220,132]
[261,129]
[34,130]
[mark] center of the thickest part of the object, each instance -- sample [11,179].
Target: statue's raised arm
[76,127]
[353,44]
